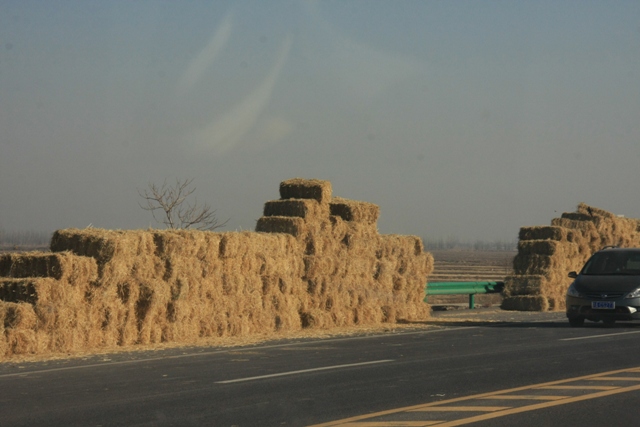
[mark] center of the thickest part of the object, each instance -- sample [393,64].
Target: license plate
[603,305]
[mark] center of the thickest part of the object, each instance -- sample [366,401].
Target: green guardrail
[463,288]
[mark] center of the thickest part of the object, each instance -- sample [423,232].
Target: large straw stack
[352,274]
[546,254]
[315,261]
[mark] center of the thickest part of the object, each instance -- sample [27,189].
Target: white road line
[598,336]
[282,374]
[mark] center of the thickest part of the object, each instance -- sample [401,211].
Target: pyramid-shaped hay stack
[313,262]
[546,254]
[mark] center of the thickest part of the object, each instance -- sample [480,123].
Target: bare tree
[175,210]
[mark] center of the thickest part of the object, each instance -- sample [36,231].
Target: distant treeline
[442,243]
[24,238]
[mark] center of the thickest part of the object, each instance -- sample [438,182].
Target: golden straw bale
[117,253]
[361,246]
[355,211]
[426,263]
[586,227]
[300,188]
[591,211]
[578,216]
[547,247]
[338,228]
[234,244]
[316,318]
[318,266]
[587,230]
[320,244]
[527,264]
[18,290]
[21,341]
[281,224]
[42,292]
[18,315]
[203,246]
[524,285]
[303,208]
[396,245]
[547,254]
[362,230]
[362,268]
[132,287]
[60,266]
[543,233]
[384,269]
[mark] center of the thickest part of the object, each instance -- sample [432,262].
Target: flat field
[470,266]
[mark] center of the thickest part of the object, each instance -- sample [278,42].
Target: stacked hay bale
[353,275]
[44,306]
[178,286]
[315,261]
[546,254]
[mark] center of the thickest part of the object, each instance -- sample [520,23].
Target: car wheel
[576,321]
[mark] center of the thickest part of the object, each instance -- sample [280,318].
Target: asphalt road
[433,373]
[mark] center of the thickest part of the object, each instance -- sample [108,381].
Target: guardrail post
[472,301]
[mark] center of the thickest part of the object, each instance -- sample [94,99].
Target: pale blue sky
[467,119]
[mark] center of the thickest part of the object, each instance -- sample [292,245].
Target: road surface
[494,368]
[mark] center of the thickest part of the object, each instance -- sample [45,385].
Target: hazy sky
[467,119]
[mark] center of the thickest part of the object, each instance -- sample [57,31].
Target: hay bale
[534,264]
[525,285]
[117,253]
[303,208]
[312,269]
[234,244]
[577,216]
[299,188]
[356,211]
[316,318]
[591,211]
[19,322]
[18,290]
[338,228]
[315,267]
[281,224]
[60,266]
[548,248]
[543,233]
[400,245]
[547,254]
[18,315]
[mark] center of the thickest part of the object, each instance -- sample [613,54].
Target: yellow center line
[391,424]
[524,397]
[462,409]
[537,406]
[617,379]
[577,387]
[445,405]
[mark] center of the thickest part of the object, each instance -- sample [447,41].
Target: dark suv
[607,288]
